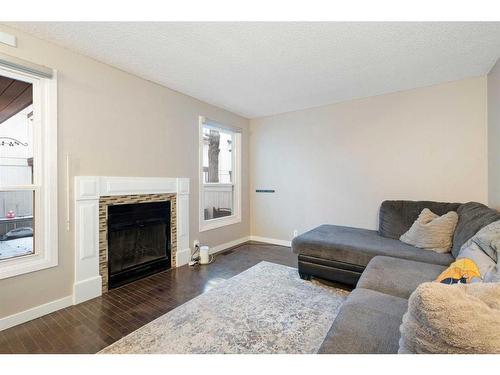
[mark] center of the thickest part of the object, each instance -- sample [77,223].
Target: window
[220,186]
[28,173]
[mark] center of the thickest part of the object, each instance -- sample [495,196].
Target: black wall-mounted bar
[264,191]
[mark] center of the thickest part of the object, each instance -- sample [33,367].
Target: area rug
[265,309]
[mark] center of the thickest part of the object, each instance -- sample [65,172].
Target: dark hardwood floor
[93,325]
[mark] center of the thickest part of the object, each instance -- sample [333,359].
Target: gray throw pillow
[432,232]
[472,217]
[483,262]
[493,275]
[488,240]
[483,249]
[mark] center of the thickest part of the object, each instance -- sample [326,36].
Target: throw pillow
[432,232]
[493,275]
[487,240]
[472,217]
[460,318]
[482,249]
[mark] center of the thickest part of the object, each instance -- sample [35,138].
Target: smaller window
[220,161]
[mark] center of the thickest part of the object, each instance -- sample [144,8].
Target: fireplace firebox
[139,241]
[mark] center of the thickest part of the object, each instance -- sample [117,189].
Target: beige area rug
[265,309]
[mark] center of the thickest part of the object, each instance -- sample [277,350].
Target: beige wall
[115,124]
[494,136]
[337,163]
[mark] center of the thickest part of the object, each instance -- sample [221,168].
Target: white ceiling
[258,69]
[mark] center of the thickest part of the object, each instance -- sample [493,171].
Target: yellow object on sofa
[463,270]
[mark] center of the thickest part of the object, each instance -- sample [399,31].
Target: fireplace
[139,240]
[94,195]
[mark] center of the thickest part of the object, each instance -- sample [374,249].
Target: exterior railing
[218,200]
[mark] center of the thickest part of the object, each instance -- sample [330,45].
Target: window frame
[44,184]
[205,225]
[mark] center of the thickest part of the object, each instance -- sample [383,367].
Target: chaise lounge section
[340,254]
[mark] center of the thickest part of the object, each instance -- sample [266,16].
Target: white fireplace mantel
[88,190]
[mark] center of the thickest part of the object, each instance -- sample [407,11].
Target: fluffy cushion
[472,217]
[432,232]
[459,318]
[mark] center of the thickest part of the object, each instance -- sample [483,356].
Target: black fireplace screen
[138,240]
[136,246]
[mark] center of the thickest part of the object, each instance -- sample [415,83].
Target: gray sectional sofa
[384,270]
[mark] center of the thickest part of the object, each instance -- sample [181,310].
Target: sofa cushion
[472,217]
[396,217]
[368,322]
[397,277]
[359,246]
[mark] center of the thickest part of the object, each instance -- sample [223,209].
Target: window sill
[26,264]
[206,225]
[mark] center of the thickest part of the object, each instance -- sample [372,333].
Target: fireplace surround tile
[106,201]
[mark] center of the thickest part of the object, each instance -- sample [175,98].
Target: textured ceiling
[260,69]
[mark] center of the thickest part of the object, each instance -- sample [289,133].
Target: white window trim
[205,225]
[45,184]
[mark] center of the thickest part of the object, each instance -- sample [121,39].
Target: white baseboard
[227,245]
[35,312]
[87,289]
[273,241]
[183,257]
[239,241]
